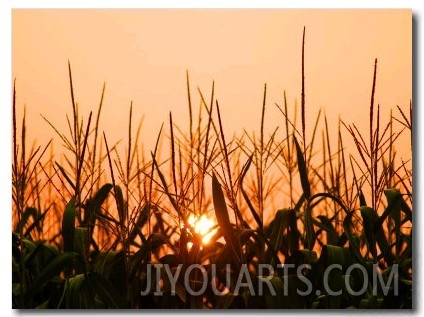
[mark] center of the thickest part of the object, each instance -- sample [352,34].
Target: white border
[323,4]
[6,159]
[5,118]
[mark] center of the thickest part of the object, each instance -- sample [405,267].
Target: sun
[202,226]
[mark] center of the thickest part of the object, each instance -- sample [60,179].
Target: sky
[143,56]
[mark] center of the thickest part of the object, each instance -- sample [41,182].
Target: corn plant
[291,226]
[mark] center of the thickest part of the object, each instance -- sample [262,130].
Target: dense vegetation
[86,229]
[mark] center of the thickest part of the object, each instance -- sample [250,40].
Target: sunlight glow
[202,226]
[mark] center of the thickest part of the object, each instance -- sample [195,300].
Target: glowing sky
[143,55]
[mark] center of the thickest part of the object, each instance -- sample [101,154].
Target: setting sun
[202,226]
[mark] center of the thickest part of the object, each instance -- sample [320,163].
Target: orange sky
[142,55]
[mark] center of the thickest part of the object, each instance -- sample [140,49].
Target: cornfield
[293,222]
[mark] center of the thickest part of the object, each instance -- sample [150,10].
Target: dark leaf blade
[334,255]
[327,225]
[303,172]
[29,211]
[309,228]
[370,219]
[394,207]
[246,197]
[120,204]
[68,226]
[82,247]
[294,234]
[276,300]
[275,234]
[57,265]
[353,240]
[62,170]
[222,217]
[107,292]
[101,195]
[375,234]
[72,291]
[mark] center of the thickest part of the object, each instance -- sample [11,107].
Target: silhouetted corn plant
[120,228]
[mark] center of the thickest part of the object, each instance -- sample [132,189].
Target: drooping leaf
[282,234]
[154,241]
[101,195]
[370,220]
[93,205]
[353,239]
[74,292]
[142,218]
[375,234]
[25,217]
[327,225]
[119,197]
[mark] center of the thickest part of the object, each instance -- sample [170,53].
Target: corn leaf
[57,265]
[68,226]
[223,219]
[303,172]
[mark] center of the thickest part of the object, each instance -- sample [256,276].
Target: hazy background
[143,55]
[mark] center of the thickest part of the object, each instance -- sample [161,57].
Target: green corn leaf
[38,217]
[303,172]
[82,247]
[353,240]
[370,219]
[309,227]
[42,255]
[275,234]
[394,207]
[375,234]
[246,197]
[68,226]
[73,292]
[306,187]
[93,205]
[154,241]
[362,200]
[142,218]
[327,225]
[331,255]
[223,219]
[282,234]
[119,197]
[62,170]
[277,300]
[106,291]
[57,265]
[81,243]
[30,211]
[293,232]
[100,197]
